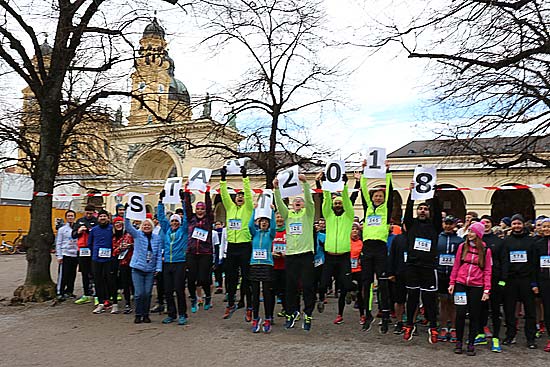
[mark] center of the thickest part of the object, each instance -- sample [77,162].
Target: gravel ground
[69,335]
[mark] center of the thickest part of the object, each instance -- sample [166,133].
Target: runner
[470,284]
[299,252]
[396,275]
[81,231]
[356,275]
[66,252]
[318,262]
[123,248]
[542,249]
[100,243]
[220,233]
[239,247]
[279,274]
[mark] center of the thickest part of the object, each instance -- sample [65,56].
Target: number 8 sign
[424,183]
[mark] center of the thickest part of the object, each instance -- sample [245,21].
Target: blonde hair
[150,221]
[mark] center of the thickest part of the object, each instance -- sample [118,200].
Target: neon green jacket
[299,225]
[338,226]
[237,216]
[376,225]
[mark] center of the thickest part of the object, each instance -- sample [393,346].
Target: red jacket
[117,248]
[468,272]
[280,239]
[355,254]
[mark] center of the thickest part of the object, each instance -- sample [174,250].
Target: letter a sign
[198,178]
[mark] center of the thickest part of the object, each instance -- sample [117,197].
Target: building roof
[495,145]
[154,29]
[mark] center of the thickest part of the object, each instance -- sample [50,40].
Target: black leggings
[268,299]
[494,302]
[544,289]
[357,285]
[299,267]
[473,307]
[199,274]
[104,282]
[514,291]
[429,300]
[238,257]
[125,282]
[374,262]
[174,280]
[279,287]
[338,266]
[67,275]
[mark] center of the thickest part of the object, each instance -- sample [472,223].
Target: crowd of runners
[433,270]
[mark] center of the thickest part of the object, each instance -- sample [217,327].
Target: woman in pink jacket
[470,284]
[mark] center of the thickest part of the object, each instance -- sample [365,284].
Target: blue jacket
[262,241]
[175,242]
[141,245]
[447,244]
[101,238]
[319,257]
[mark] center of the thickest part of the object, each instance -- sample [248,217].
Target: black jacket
[542,245]
[524,245]
[88,223]
[397,258]
[494,242]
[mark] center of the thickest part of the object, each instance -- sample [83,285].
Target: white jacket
[65,244]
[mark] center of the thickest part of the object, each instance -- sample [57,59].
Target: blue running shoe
[256,325]
[291,320]
[307,322]
[182,320]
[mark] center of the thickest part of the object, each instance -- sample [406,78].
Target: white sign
[199,178]
[376,163]
[172,190]
[424,181]
[136,206]
[263,210]
[234,166]
[289,184]
[333,174]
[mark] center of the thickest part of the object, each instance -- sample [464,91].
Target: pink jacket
[467,271]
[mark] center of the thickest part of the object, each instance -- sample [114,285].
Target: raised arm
[187,207]
[164,223]
[130,228]
[408,217]
[252,224]
[281,206]
[348,205]
[326,208]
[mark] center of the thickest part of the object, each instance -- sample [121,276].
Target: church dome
[154,29]
[178,91]
[46,49]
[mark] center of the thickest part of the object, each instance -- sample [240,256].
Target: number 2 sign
[424,183]
[289,184]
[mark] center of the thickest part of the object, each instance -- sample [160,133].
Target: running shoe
[99,309]
[453,336]
[200,301]
[443,333]
[362,320]
[96,301]
[398,330]
[127,310]
[480,340]
[82,300]
[547,348]
[168,320]
[509,341]
[207,303]
[115,310]
[383,329]
[470,350]
[282,314]
[229,311]
[256,325]
[542,328]
[408,332]
[248,315]
[320,306]
[60,298]
[307,322]
[158,309]
[291,320]
[137,320]
[146,319]
[368,323]
[193,305]
[240,304]
[432,335]
[495,345]
[487,332]
[119,297]
[182,320]
[267,326]
[531,344]
[458,348]
[338,320]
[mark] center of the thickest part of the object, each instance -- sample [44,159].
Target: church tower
[154,81]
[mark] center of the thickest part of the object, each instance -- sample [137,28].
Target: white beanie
[176,217]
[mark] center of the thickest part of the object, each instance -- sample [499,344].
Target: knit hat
[149,216]
[103,211]
[175,217]
[117,219]
[517,217]
[489,218]
[200,204]
[478,228]
[507,221]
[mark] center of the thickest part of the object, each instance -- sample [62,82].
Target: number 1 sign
[424,181]
[375,168]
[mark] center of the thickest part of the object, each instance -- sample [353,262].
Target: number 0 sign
[424,180]
[289,184]
[333,174]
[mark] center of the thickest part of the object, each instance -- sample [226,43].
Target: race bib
[354,263]
[235,224]
[259,254]
[460,299]
[374,220]
[422,244]
[104,252]
[545,261]
[295,228]
[84,252]
[200,234]
[279,247]
[518,256]
[122,255]
[318,262]
[405,257]
[446,260]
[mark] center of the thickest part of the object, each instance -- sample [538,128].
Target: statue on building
[207,108]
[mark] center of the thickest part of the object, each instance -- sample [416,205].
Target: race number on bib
[518,256]
[84,252]
[122,255]
[318,262]
[422,244]
[374,220]
[545,262]
[446,260]
[235,224]
[279,247]
[104,252]
[259,254]
[295,228]
[200,234]
[461,299]
[354,263]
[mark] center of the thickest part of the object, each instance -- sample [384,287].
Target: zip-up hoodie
[398,255]
[101,237]
[514,248]
[262,242]
[175,242]
[447,245]
[338,226]
[82,238]
[319,255]
[195,245]
[65,244]
[542,248]
[237,216]
[468,272]
[494,242]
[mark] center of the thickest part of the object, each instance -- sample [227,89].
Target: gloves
[345,178]
[243,171]
[223,172]
[162,195]
[323,177]
[126,206]
[181,194]
[502,283]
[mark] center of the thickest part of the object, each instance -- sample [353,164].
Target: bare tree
[490,63]
[280,41]
[65,82]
